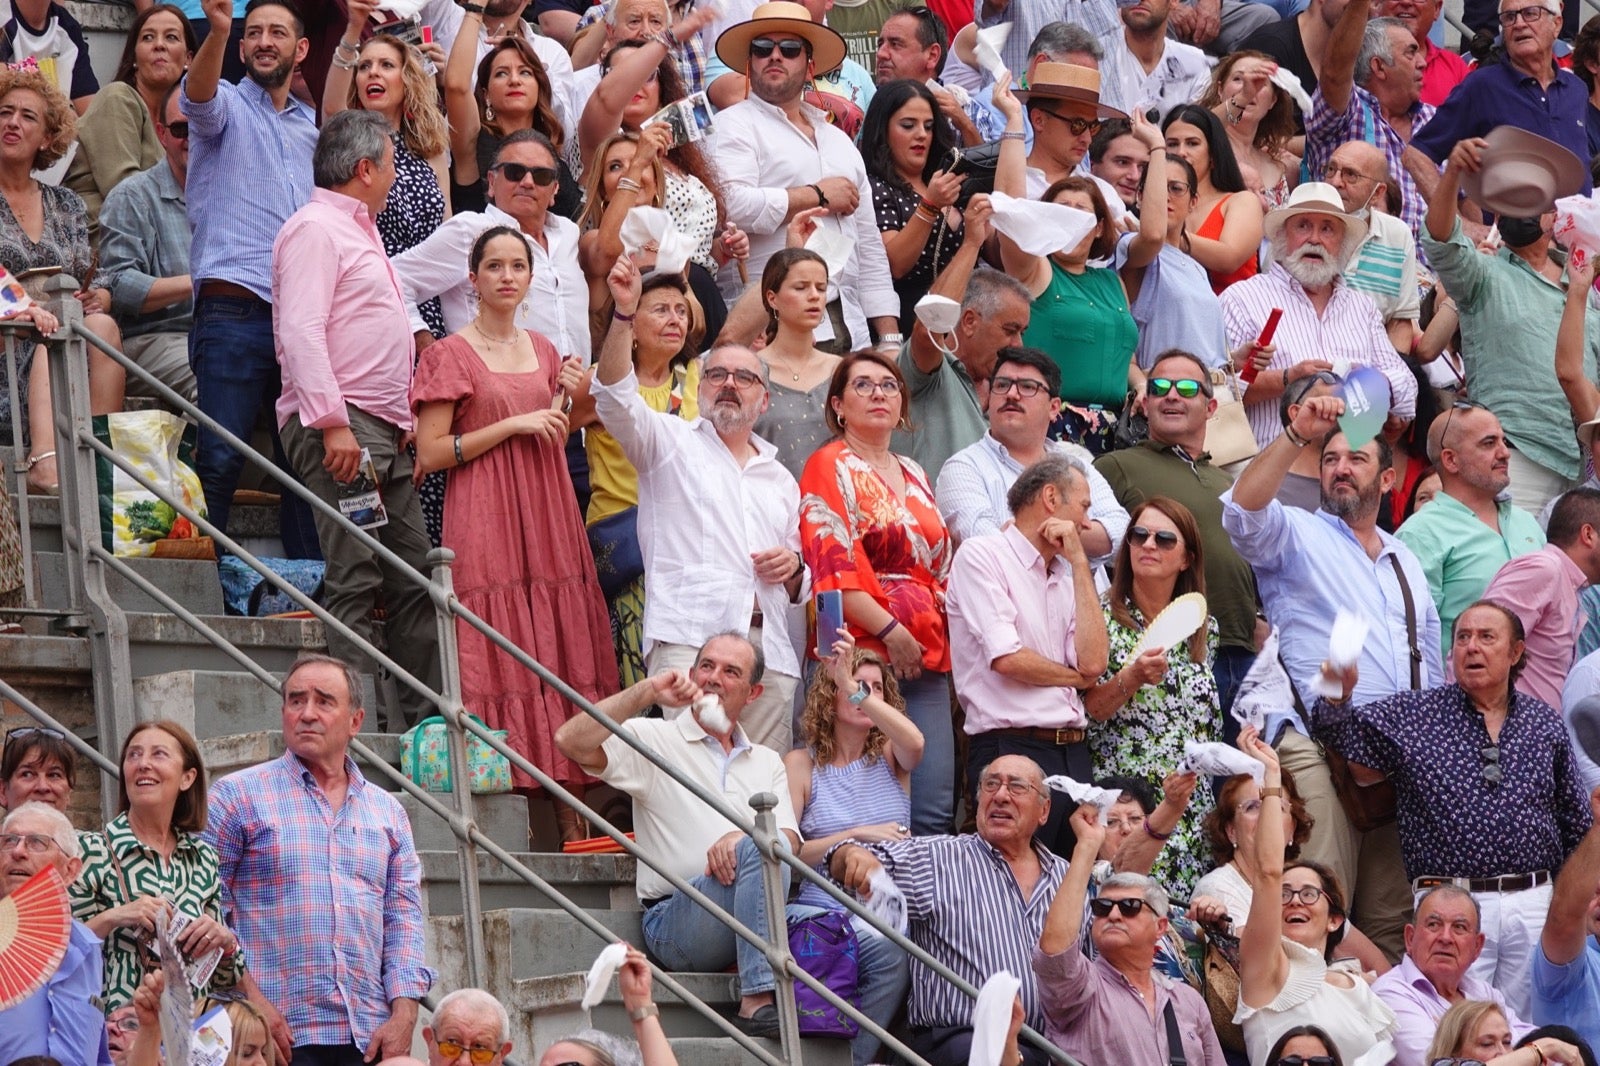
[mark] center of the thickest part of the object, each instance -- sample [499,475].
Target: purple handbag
[824,946]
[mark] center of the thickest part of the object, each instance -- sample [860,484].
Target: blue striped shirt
[249,170]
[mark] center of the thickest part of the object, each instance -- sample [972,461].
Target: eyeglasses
[515,172]
[744,379]
[1250,807]
[130,1024]
[1014,786]
[1306,1060]
[1188,388]
[1165,539]
[23,732]
[1348,174]
[1530,15]
[1101,908]
[35,843]
[1026,386]
[1307,895]
[865,387]
[1492,773]
[1174,188]
[1075,125]
[762,47]
[480,1055]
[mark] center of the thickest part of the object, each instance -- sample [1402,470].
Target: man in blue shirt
[1308,567]
[1566,968]
[1528,90]
[62,1019]
[250,151]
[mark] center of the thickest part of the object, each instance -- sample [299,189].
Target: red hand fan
[35,925]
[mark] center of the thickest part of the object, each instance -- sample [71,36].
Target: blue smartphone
[830,621]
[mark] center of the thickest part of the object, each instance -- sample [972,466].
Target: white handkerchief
[1039,228]
[991,1018]
[1218,760]
[956,92]
[886,902]
[402,9]
[646,229]
[599,979]
[1288,83]
[835,248]
[1265,689]
[713,718]
[1345,639]
[1104,798]
[988,47]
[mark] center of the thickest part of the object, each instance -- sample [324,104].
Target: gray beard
[1311,275]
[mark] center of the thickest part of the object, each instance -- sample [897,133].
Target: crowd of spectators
[673,320]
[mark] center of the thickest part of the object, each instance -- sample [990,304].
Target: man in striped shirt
[975,902]
[1385,266]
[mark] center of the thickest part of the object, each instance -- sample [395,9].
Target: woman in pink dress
[490,402]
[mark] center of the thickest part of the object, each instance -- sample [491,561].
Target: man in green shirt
[1469,531]
[1174,463]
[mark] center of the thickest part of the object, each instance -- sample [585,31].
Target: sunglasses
[1165,539]
[179,129]
[1459,405]
[515,172]
[1101,908]
[1075,125]
[1306,1060]
[762,47]
[23,732]
[480,1055]
[1188,388]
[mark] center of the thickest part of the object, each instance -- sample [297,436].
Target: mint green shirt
[1461,555]
[1509,317]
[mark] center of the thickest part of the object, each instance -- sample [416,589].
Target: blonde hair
[1457,1026]
[816,719]
[422,125]
[594,192]
[60,120]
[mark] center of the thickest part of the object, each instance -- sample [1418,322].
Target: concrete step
[160,643]
[594,882]
[529,942]
[218,703]
[191,582]
[223,755]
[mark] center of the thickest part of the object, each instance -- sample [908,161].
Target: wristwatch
[859,696]
[896,339]
[649,1010]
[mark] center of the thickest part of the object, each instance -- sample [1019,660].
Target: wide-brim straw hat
[1521,175]
[781,16]
[1320,198]
[1067,82]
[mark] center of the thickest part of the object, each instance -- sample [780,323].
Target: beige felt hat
[1522,174]
[781,16]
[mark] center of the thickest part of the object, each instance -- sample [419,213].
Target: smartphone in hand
[830,621]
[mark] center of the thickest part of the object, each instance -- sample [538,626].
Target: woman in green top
[1080,317]
[150,861]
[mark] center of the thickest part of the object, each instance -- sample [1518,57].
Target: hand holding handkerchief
[605,966]
[1345,640]
[1103,798]
[1039,228]
[1219,760]
[991,1018]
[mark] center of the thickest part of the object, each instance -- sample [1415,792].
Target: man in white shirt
[779,156]
[1064,110]
[710,566]
[1144,68]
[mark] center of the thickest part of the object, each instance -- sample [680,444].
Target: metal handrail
[459,723]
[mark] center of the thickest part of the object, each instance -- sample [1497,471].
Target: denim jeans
[236,375]
[681,935]
[933,782]
[885,974]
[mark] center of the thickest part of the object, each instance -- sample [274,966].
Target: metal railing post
[442,591]
[110,664]
[19,337]
[768,839]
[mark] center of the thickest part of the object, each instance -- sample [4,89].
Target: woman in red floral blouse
[869,527]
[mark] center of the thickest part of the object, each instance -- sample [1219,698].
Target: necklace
[493,339]
[793,373]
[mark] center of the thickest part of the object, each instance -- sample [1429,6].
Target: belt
[214,287]
[1059,737]
[648,903]
[1504,883]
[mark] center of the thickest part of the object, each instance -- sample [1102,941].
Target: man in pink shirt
[1026,632]
[1442,69]
[1541,588]
[345,350]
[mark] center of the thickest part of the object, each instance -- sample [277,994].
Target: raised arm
[1571,342]
[336,90]
[1263,966]
[1011,178]
[460,107]
[1063,924]
[205,69]
[952,280]
[1339,64]
[1566,927]
[1259,483]
[1464,158]
[1139,852]
[1152,233]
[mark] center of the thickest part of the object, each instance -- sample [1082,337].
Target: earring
[488,112]
[523,309]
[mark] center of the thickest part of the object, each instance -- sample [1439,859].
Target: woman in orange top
[869,527]
[1226,222]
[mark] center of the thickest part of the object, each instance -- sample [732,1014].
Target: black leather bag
[976,165]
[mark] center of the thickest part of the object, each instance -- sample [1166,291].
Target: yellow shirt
[613,482]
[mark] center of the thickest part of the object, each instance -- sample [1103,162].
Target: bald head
[1359,172]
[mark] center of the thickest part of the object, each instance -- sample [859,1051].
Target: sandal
[42,488]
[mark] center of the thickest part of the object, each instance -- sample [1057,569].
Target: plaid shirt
[327,903]
[691,53]
[1363,121]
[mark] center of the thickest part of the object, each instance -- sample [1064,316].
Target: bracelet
[886,630]
[461,460]
[1013,135]
[1294,438]
[822,201]
[620,317]
[346,46]
[1122,686]
[1272,790]
[930,217]
[1150,832]
[649,1010]
[344,64]
[627,184]
[1539,1051]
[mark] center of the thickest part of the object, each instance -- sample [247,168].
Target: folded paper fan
[35,925]
[1174,625]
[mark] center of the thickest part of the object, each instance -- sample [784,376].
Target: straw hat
[1320,198]
[781,16]
[1523,174]
[1069,82]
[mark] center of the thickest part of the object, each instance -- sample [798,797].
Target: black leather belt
[1059,737]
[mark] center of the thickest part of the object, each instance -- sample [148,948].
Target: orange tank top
[1212,228]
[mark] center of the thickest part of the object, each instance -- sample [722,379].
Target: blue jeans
[236,374]
[933,782]
[885,973]
[681,935]
[1228,668]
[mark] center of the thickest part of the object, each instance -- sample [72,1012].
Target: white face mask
[939,315]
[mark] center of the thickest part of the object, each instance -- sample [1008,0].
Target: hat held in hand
[1521,175]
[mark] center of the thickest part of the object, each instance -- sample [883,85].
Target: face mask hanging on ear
[940,315]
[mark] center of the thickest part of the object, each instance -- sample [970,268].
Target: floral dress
[855,533]
[1145,739]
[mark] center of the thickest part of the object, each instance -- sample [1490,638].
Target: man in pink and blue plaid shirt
[321,881]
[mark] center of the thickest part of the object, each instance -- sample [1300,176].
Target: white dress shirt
[701,515]
[1181,76]
[761,156]
[558,297]
[974,481]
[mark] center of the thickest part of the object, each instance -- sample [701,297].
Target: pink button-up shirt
[339,319]
[1004,596]
[1542,588]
